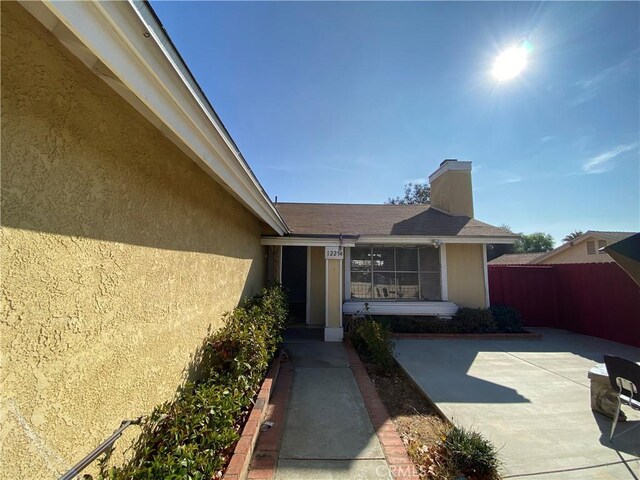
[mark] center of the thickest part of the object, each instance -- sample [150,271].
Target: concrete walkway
[327,431]
[532,399]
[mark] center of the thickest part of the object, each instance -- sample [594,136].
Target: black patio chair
[624,376]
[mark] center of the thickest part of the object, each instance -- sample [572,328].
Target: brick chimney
[451,190]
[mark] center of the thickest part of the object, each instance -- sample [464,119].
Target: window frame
[601,244]
[395,272]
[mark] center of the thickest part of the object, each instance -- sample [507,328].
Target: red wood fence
[597,299]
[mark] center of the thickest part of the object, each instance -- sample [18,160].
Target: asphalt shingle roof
[359,219]
[611,237]
[514,259]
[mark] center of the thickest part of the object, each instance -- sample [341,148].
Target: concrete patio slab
[333,470]
[531,399]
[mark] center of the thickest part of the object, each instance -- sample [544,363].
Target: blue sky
[346,102]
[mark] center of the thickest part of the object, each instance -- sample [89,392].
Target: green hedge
[508,319]
[498,319]
[473,320]
[193,436]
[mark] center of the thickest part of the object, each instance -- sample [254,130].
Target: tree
[534,243]
[414,194]
[573,235]
[495,250]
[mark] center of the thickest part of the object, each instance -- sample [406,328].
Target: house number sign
[333,253]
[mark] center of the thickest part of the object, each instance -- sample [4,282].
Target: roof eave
[351,240]
[124,44]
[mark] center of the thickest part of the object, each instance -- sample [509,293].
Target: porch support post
[485,271]
[444,286]
[308,310]
[279,264]
[333,301]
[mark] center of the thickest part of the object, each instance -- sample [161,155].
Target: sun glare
[511,62]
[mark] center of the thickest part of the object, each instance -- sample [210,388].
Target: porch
[333,277]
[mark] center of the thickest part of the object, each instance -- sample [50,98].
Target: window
[395,273]
[601,244]
[591,247]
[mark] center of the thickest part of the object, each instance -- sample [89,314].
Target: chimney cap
[448,166]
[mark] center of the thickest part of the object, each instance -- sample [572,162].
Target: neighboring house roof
[359,219]
[514,259]
[610,237]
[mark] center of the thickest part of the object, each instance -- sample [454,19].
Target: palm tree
[573,235]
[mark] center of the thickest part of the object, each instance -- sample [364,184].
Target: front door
[294,280]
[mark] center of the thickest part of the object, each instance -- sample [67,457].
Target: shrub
[426,324]
[468,320]
[473,320]
[508,319]
[470,454]
[373,340]
[193,436]
[459,454]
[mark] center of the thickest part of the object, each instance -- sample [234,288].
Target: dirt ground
[417,421]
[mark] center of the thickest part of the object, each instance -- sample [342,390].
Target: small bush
[508,319]
[459,454]
[470,454]
[193,436]
[426,324]
[373,340]
[473,320]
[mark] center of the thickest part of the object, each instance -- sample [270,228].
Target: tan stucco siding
[452,192]
[118,253]
[578,254]
[317,287]
[334,296]
[465,275]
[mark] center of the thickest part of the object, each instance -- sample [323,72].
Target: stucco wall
[578,254]
[118,254]
[453,193]
[465,275]
[317,287]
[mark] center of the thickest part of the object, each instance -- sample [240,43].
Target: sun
[511,62]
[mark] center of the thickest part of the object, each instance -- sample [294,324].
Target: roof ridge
[610,231]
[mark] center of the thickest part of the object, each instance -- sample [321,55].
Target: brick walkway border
[265,457]
[400,464]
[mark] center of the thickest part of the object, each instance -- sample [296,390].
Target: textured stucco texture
[452,192]
[118,255]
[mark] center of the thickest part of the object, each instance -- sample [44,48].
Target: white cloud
[589,87]
[512,179]
[603,163]
[547,138]
[416,181]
